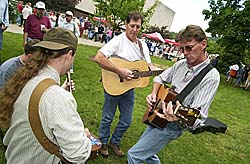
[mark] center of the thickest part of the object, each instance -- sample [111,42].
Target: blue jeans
[125,103]
[151,142]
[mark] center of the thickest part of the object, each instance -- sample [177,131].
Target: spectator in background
[118,32]
[20,15]
[215,61]
[27,10]
[8,68]
[100,33]
[70,24]
[233,72]
[109,34]
[36,25]
[240,76]
[59,20]
[52,18]
[4,21]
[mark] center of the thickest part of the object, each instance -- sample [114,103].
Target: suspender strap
[35,121]
[194,82]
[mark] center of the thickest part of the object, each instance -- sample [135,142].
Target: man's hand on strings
[126,74]
[151,100]
[168,113]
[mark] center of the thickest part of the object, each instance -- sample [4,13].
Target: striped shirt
[60,120]
[180,74]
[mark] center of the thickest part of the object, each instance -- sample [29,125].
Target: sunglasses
[188,48]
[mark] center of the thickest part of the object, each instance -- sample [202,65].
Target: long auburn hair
[13,87]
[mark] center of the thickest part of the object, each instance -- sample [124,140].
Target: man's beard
[39,15]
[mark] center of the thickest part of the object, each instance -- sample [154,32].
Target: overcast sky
[187,12]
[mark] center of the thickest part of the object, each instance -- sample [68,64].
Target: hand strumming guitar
[151,100]
[168,112]
[125,73]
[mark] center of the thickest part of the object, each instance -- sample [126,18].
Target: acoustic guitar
[116,85]
[186,116]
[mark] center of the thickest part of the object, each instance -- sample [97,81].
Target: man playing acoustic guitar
[129,47]
[193,43]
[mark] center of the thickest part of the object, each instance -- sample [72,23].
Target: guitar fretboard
[150,73]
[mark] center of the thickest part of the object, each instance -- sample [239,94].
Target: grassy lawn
[231,106]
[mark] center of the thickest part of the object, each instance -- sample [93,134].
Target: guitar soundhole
[136,74]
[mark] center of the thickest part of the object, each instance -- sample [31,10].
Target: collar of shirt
[53,73]
[196,69]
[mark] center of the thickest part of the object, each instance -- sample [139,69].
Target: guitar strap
[141,49]
[194,82]
[35,121]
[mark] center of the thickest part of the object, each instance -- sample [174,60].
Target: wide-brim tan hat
[58,38]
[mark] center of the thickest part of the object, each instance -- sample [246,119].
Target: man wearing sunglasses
[193,43]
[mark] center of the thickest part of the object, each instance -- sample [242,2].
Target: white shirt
[235,67]
[60,120]
[26,11]
[72,26]
[120,45]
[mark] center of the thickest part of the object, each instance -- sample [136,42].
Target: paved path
[16,29]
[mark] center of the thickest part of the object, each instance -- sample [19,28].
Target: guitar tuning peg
[173,87]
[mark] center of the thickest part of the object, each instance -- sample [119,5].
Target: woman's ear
[70,52]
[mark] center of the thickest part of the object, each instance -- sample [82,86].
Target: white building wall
[87,6]
[163,16]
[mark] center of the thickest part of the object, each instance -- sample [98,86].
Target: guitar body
[153,120]
[114,85]
[150,117]
[186,116]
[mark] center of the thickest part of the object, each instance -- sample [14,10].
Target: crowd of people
[239,75]
[50,49]
[164,50]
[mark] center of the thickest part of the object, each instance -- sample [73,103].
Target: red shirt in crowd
[19,8]
[33,26]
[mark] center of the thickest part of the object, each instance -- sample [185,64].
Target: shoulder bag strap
[194,82]
[35,121]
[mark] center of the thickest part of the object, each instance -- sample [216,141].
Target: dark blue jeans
[125,104]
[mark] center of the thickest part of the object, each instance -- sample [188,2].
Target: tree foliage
[115,11]
[229,20]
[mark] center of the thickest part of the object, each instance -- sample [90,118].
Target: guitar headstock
[187,116]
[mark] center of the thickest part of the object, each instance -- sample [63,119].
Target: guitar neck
[150,73]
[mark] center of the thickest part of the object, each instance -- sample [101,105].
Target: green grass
[231,106]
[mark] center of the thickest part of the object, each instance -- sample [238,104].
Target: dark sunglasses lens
[188,48]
